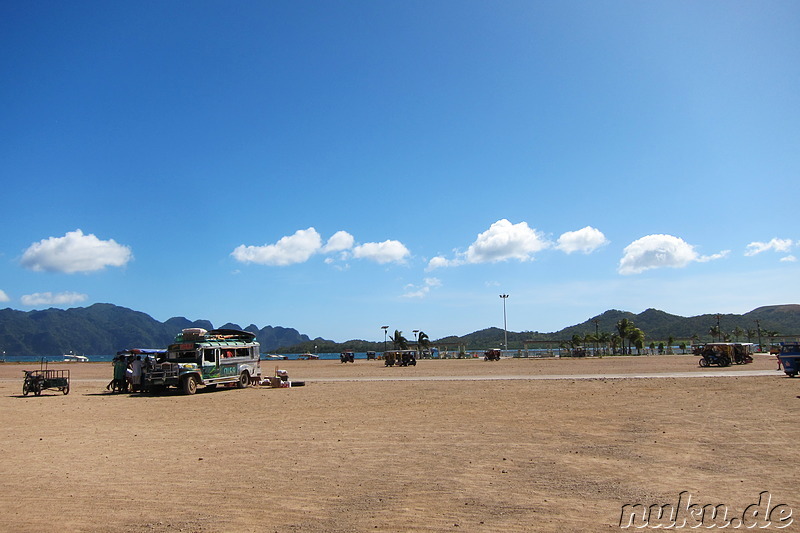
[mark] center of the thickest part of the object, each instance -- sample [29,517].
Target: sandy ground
[460,448]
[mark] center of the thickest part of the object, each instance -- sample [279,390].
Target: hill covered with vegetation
[103,329]
[107,328]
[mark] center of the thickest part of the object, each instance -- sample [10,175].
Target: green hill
[103,329]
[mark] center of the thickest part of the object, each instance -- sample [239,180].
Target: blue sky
[339,166]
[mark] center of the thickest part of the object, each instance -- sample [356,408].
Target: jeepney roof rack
[200,334]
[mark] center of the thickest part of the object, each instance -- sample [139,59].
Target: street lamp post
[758,325]
[505,326]
[384,328]
[416,342]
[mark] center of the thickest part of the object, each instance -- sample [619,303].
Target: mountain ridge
[104,328]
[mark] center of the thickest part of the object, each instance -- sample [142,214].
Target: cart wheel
[25,390]
[189,385]
[703,362]
[65,390]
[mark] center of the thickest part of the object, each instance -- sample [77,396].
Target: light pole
[758,325]
[416,342]
[384,328]
[505,327]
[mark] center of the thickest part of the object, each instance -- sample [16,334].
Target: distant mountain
[103,329]
[657,326]
[783,319]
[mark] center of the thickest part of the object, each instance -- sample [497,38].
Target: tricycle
[38,380]
[492,355]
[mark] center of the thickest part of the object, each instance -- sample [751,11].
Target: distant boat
[277,357]
[307,356]
[72,358]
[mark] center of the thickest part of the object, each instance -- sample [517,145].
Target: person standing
[120,383]
[136,367]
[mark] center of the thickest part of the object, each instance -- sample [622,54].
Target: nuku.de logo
[692,515]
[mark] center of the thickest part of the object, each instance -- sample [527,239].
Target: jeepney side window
[209,356]
[241,352]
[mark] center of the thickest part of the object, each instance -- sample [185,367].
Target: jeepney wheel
[244,381]
[189,385]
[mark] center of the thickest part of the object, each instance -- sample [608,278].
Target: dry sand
[353,451]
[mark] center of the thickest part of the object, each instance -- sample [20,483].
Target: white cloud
[289,250]
[778,245]
[504,240]
[75,252]
[413,291]
[658,251]
[49,298]
[441,262]
[341,240]
[788,259]
[4,297]
[584,240]
[382,252]
[712,257]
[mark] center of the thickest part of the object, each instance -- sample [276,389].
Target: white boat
[72,358]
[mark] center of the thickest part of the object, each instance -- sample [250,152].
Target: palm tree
[624,328]
[715,332]
[614,340]
[398,341]
[604,340]
[737,332]
[423,341]
[590,340]
[636,337]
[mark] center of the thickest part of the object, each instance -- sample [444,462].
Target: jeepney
[208,358]
[789,358]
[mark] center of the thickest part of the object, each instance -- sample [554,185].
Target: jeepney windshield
[182,356]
